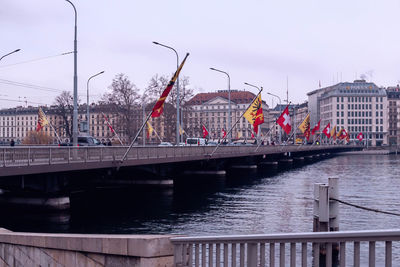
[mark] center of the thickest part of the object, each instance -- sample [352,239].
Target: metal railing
[358,248]
[35,155]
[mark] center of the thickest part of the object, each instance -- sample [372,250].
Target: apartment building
[393,95]
[359,106]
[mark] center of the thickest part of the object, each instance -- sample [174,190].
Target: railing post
[29,156]
[178,255]
[251,254]
[49,155]
[4,157]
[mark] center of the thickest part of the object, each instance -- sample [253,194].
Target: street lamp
[75,114]
[280,109]
[15,51]
[87,103]
[178,136]
[229,100]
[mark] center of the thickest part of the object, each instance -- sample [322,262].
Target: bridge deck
[33,160]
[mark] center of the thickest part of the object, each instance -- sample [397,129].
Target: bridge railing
[358,248]
[34,155]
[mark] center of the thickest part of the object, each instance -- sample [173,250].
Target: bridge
[44,171]
[28,160]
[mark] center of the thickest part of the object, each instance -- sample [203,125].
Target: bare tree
[65,109]
[124,100]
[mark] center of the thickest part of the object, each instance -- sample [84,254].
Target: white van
[195,142]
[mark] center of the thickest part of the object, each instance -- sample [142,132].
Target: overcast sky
[259,42]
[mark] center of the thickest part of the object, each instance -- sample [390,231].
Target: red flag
[343,134]
[327,130]
[316,127]
[205,132]
[252,135]
[360,137]
[284,121]
[159,106]
[108,124]
[223,133]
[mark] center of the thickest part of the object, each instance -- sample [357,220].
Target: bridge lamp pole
[15,51]
[280,109]
[178,136]
[229,100]
[87,99]
[75,113]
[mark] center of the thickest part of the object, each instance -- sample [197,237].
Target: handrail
[390,234]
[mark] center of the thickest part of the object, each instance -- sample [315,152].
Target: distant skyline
[259,42]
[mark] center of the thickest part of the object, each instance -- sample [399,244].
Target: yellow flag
[42,120]
[305,125]
[149,129]
[254,113]
[181,131]
[333,131]
[340,132]
[239,134]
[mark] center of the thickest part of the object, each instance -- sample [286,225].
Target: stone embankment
[36,249]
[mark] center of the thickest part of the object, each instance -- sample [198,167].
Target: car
[165,144]
[195,141]
[212,143]
[88,141]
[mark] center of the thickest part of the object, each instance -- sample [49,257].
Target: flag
[305,127]
[327,130]
[149,129]
[316,127]
[252,135]
[181,131]
[42,120]
[205,132]
[223,133]
[108,124]
[159,106]
[254,113]
[284,120]
[239,134]
[339,134]
[333,133]
[342,134]
[360,137]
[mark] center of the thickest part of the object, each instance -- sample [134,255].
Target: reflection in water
[263,202]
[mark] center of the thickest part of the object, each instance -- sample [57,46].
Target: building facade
[393,95]
[359,106]
[212,111]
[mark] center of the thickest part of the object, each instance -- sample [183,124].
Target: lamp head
[156,43]
[17,50]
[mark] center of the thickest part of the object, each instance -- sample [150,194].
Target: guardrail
[39,155]
[304,248]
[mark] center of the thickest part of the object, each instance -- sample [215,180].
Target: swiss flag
[327,130]
[316,127]
[223,133]
[205,132]
[284,121]
[360,137]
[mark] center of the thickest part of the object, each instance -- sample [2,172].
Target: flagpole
[109,125]
[58,138]
[237,121]
[134,139]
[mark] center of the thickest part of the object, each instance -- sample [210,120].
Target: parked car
[165,144]
[212,143]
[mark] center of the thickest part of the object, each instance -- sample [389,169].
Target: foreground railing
[356,248]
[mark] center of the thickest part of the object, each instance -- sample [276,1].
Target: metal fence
[35,155]
[347,248]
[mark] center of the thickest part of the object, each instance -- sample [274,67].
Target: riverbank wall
[37,249]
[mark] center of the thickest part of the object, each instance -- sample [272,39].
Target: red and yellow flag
[254,114]
[42,120]
[305,127]
[159,106]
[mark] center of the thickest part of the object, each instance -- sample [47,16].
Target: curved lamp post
[280,109]
[178,136]
[229,100]
[75,114]
[15,51]
[87,100]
